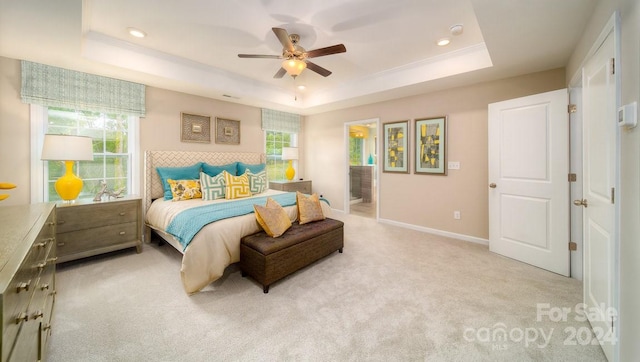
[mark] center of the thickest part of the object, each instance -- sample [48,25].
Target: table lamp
[290,153]
[68,149]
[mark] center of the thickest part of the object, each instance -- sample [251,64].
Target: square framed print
[395,147]
[195,128]
[227,131]
[431,146]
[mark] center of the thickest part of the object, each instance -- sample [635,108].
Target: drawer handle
[41,265]
[52,260]
[61,243]
[23,286]
[37,314]
[44,286]
[22,317]
[123,213]
[46,326]
[40,245]
[51,223]
[60,222]
[122,232]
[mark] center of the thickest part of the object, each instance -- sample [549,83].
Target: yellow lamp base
[69,185]
[290,172]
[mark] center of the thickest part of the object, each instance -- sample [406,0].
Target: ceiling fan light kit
[294,66]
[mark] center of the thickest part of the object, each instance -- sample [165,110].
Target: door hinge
[573,177]
[613,66]
[613,195]
[573,246]
[572,108]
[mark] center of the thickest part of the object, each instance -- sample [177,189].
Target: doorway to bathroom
[362,176]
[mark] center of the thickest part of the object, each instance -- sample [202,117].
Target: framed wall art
[227,131]
[195,128]
[395,147]
[431,146]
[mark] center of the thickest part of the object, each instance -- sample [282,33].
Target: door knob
[582,202]
[493,185]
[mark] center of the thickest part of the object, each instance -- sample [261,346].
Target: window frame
[39,120]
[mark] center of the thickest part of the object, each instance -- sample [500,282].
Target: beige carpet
[394,295]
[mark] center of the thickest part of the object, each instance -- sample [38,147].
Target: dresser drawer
[90,239]
[96,215]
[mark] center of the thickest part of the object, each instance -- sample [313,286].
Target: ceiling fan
[295,57]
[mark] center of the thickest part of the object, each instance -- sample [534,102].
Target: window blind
[50,86]
[279,121]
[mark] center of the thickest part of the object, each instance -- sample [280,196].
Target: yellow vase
[69,185]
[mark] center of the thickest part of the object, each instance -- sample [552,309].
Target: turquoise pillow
[177,173]
[243,167]
[212,170]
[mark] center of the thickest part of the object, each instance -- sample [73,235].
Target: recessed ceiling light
[301,87]
[136,32]
[444,41]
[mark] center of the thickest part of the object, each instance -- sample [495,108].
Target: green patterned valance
[57,87]
[280,121]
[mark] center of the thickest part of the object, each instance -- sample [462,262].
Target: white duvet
[216,245]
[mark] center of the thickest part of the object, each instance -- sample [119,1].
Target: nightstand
[86,228]
[303,186]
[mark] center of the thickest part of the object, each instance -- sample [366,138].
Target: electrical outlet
[453,165]
[456,215]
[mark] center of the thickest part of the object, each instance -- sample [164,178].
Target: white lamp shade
[289,153]
[67,148]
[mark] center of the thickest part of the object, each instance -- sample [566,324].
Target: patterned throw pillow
[309,208]
[257,181]
[185,189]
[273,218]
[236,187]
[212,187]
[177,173]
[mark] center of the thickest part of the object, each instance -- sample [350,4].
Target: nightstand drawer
[90,239]
[96,215]
[303,186]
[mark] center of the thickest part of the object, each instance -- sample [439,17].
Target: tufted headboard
[152,159]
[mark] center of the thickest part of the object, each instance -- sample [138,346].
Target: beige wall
[160,129]
[629,253]
[15,152]
[425,200]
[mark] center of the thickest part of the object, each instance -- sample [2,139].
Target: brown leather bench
[268,259]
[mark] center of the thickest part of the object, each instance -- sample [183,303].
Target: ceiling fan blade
[283,36]
[259,56]
[280,73]
[318,69]
[334,49]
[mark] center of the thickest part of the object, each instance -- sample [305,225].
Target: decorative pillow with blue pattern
[212,187]
[257,181]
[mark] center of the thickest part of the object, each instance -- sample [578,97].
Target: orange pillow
[309,208]
[273,218]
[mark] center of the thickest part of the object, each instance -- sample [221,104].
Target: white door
[528,180]
[599,167]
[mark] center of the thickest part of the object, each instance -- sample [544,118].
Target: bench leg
[340,250]
[244,275]
[265,289]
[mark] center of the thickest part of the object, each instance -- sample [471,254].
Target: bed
[217,245]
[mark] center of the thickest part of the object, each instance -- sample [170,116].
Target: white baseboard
[448,234]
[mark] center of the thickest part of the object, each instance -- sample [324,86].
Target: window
[356,149]
[274,142]
[114,150]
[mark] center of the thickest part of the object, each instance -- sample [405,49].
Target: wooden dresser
[303,186]
[27,280]
[87,228]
